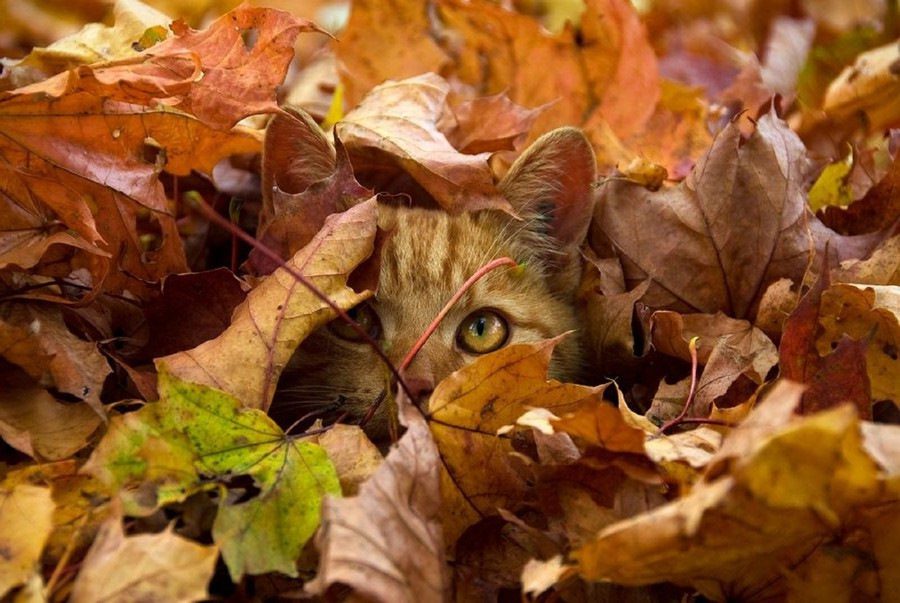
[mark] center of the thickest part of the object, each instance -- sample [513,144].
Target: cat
[427,256]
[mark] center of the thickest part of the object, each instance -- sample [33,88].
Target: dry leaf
[26,513]
[385,543]
[397,126]
[465,413]
[716,241]
[247,358]
[128,568]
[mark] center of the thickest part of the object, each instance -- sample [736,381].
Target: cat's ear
[552,185]
[296,153]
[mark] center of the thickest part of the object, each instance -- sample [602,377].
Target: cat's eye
[365,317]
[482,331]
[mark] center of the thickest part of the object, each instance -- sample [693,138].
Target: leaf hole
[249,37]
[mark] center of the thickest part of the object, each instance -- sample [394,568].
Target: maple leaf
[716,241]
[727,349]
[397,124]
[465,413]
[169,449]
[134,23]
[150,104]
[838,377]
[247,358]
[779,517]
[128,568]
[37,340]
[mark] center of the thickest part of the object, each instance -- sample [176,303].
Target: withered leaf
[837,377]
[777,516]
[397,126]
[714,242]
[37,340]
[128,568]
[247,358]
[727,349]
[465,413]
[385,542]
[26,514]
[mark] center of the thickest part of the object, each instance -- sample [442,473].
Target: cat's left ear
[552,183]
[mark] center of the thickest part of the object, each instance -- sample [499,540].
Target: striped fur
[425,259]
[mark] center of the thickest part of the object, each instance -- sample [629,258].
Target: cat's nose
[419,388]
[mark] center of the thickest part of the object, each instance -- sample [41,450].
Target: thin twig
[692,346]
[196,201]
[492,265]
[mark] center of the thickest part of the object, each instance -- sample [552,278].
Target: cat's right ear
[296,153]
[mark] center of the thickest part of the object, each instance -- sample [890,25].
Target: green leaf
[196,438]
[267,532]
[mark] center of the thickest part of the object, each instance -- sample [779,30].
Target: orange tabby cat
[427,257]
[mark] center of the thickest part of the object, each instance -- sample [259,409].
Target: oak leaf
[247,358]
[128,568]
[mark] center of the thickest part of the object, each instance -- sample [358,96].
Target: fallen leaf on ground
[120,567]
[397,126]
[465,413]
[247,358]
[26,514]
[780,517]
[386,543]
[834,378]
[171,448]
[37,340]
[687,240]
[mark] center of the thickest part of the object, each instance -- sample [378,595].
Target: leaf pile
[741,287]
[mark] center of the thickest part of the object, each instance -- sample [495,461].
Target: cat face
[427,256]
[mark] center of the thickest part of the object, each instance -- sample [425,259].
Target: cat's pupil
[480,325]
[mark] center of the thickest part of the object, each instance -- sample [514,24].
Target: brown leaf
[192,308]
[395,128]
[869,315]
[490,123]
[247,358]
[129,568]
[716,241]
[354,456]
[126,133]
[37,340]
[734,533]
[34,423]
[833,379]
[727,349]
[465,413]
[385,543]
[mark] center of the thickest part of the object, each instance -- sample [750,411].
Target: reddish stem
[213,216]
[493,264]
[681,418]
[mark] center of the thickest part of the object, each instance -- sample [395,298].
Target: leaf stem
[196,201]
[492,265]
[681,418]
